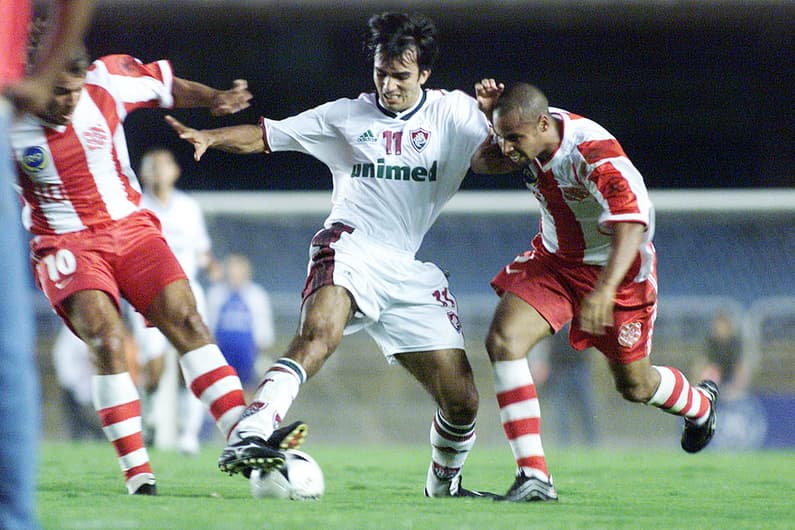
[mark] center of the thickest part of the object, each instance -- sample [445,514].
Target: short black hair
[524,98]
[393,33]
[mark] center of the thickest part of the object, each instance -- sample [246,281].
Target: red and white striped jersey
[78,175]
[587,185]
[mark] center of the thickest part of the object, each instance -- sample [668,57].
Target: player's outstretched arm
[190,94]
[239,139]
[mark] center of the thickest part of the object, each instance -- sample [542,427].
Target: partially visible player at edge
[94,243]
[396,157]
[19,389]
[592,261]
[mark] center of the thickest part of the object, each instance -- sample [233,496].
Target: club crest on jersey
[419,139]
[454,320]
[34,159]
[629,335]
[95,137]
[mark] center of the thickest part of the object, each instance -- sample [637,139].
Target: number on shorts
[444,297]
[62,263]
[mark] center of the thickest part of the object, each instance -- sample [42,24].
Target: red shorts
[128,258]
[555,288]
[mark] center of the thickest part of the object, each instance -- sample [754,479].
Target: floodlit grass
[378,487]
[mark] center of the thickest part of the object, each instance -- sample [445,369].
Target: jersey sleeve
[310,132]
[471,124]
[616,183]
[133,84]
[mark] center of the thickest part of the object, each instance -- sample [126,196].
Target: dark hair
[525,98]
[78,61]
[393,33]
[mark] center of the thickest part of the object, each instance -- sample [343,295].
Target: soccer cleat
[456,490]
[696,437]
[250,453]
[288,437]
[145,489]
[530,489]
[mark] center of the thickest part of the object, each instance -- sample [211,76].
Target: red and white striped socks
[521,415]
[676,395]
[275,395]
[117,402]
[451,444]
[216,384]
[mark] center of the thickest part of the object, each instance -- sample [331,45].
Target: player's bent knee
[635,393]
[498,346]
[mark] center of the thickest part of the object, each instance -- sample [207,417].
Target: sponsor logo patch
[629,334]
[574,193]
[419,139]
[34,160]
[367,137]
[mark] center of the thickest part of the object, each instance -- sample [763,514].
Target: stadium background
[699,94]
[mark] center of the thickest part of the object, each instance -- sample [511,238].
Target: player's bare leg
[204,367]
[96,319]
[447,376]
[515,329]
[668,389]
[323,318]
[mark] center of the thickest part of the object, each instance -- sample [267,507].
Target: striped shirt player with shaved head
[592,263]
[93,243]
[396,157]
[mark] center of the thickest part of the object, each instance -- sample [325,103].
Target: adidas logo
[367,137]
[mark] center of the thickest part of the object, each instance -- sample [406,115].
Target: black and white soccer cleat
[530,489]
[696,437]
[250,453]
[288,437]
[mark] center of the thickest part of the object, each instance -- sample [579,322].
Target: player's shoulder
[117,64]
[449,98]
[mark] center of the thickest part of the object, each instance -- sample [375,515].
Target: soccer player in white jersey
[592,263]
[182,222]
[94,244]
[396,157]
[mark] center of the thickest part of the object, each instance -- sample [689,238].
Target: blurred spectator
[172,414]
[565,375]
[240,316]
[725,363]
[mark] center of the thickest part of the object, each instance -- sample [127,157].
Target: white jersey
[183,226]
[587,185]
[392,173]
[79,175]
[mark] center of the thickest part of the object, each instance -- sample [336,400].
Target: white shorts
[405,305]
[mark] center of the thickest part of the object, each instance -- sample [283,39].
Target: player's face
[65,95]
[519,139]
[398,80]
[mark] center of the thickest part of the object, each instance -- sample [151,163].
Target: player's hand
[487,92]
[596,311]
[233,100]
[199,139]
[29,95]
[489,160]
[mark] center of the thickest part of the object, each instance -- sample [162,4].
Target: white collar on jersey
[406,114]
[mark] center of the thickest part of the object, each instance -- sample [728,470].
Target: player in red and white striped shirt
[592,263]
[94,244]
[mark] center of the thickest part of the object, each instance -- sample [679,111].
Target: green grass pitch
[376,487]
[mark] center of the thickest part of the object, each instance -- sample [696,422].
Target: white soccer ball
[299,479]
